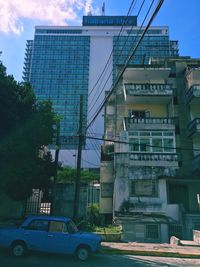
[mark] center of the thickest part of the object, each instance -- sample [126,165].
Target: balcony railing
[148,89]
[140,206]
[194,126]
[129,123]
[153,157]
[193,92]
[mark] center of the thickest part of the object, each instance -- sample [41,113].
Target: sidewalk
[150,249]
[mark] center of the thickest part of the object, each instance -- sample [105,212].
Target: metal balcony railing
[153,157]
[194,91]
[141,206]
[194,126]
[148,89]
[151,120]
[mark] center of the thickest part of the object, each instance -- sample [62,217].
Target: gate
[37,204]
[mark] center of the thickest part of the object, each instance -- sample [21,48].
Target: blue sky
[18,18]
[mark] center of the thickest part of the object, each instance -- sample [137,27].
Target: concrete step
[190,243]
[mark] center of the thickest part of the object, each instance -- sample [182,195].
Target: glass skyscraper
[63,63]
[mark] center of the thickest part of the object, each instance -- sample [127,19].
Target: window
[139,113]
[157,145]
[152,231]
[72,227]
[55,226]
[152,141]
[144,188]
[38,225]
[144,145]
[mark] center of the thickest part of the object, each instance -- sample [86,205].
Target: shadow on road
[98,260]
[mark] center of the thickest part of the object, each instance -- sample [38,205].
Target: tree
[27,127]
[67,174]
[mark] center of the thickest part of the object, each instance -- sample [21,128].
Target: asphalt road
[41,260]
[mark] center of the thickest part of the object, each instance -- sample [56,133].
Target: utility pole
[78,170]
[56,165]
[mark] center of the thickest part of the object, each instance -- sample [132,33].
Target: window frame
[38,220]
[151,136]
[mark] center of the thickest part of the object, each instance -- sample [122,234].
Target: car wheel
[83,253]
[18,249]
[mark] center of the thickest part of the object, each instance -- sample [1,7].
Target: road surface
[41,260]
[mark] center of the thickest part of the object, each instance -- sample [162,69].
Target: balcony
[150,123]
[193,94]
[193,76]
[146,74]
[141,206]
[147,159]
[194,127]
[148,93]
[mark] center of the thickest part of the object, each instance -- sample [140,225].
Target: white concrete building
[148,181]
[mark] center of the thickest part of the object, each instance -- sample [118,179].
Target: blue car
[49,234]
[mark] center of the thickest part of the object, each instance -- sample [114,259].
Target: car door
[35,234]
[58,238]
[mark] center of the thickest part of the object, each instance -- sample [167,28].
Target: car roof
[46,217]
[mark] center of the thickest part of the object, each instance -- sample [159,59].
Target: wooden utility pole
[78,170]
[56,165]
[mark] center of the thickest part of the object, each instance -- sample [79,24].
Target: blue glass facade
[59,71]
[154,44]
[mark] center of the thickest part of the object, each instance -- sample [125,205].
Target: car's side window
[38,225]
[56,226]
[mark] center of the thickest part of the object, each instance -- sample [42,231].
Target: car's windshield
[72,227]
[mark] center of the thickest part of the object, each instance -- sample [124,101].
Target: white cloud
[55,12]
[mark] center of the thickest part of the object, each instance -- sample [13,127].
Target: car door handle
[50,235]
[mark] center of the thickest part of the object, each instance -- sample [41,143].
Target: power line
[124,46]
[102,90]
[95,146]
[129,11]
[131,143]
[128,60]
[95,165]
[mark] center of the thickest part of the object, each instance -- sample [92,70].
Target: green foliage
[68,174]
[95,218]
[109,229]
[26,128]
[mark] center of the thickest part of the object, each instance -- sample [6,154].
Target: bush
[94,216]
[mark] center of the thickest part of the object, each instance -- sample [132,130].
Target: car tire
[18,249]
[82,253]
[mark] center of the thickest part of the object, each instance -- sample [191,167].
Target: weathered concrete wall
[196,236]
[194,189]
[106,176]
[156,110]
[194,111]
[164,234]
[65,201]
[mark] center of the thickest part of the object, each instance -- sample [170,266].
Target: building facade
[63,63]
[150,159]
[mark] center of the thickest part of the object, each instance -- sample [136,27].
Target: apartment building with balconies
[150,179]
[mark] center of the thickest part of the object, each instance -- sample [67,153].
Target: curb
[150,253]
